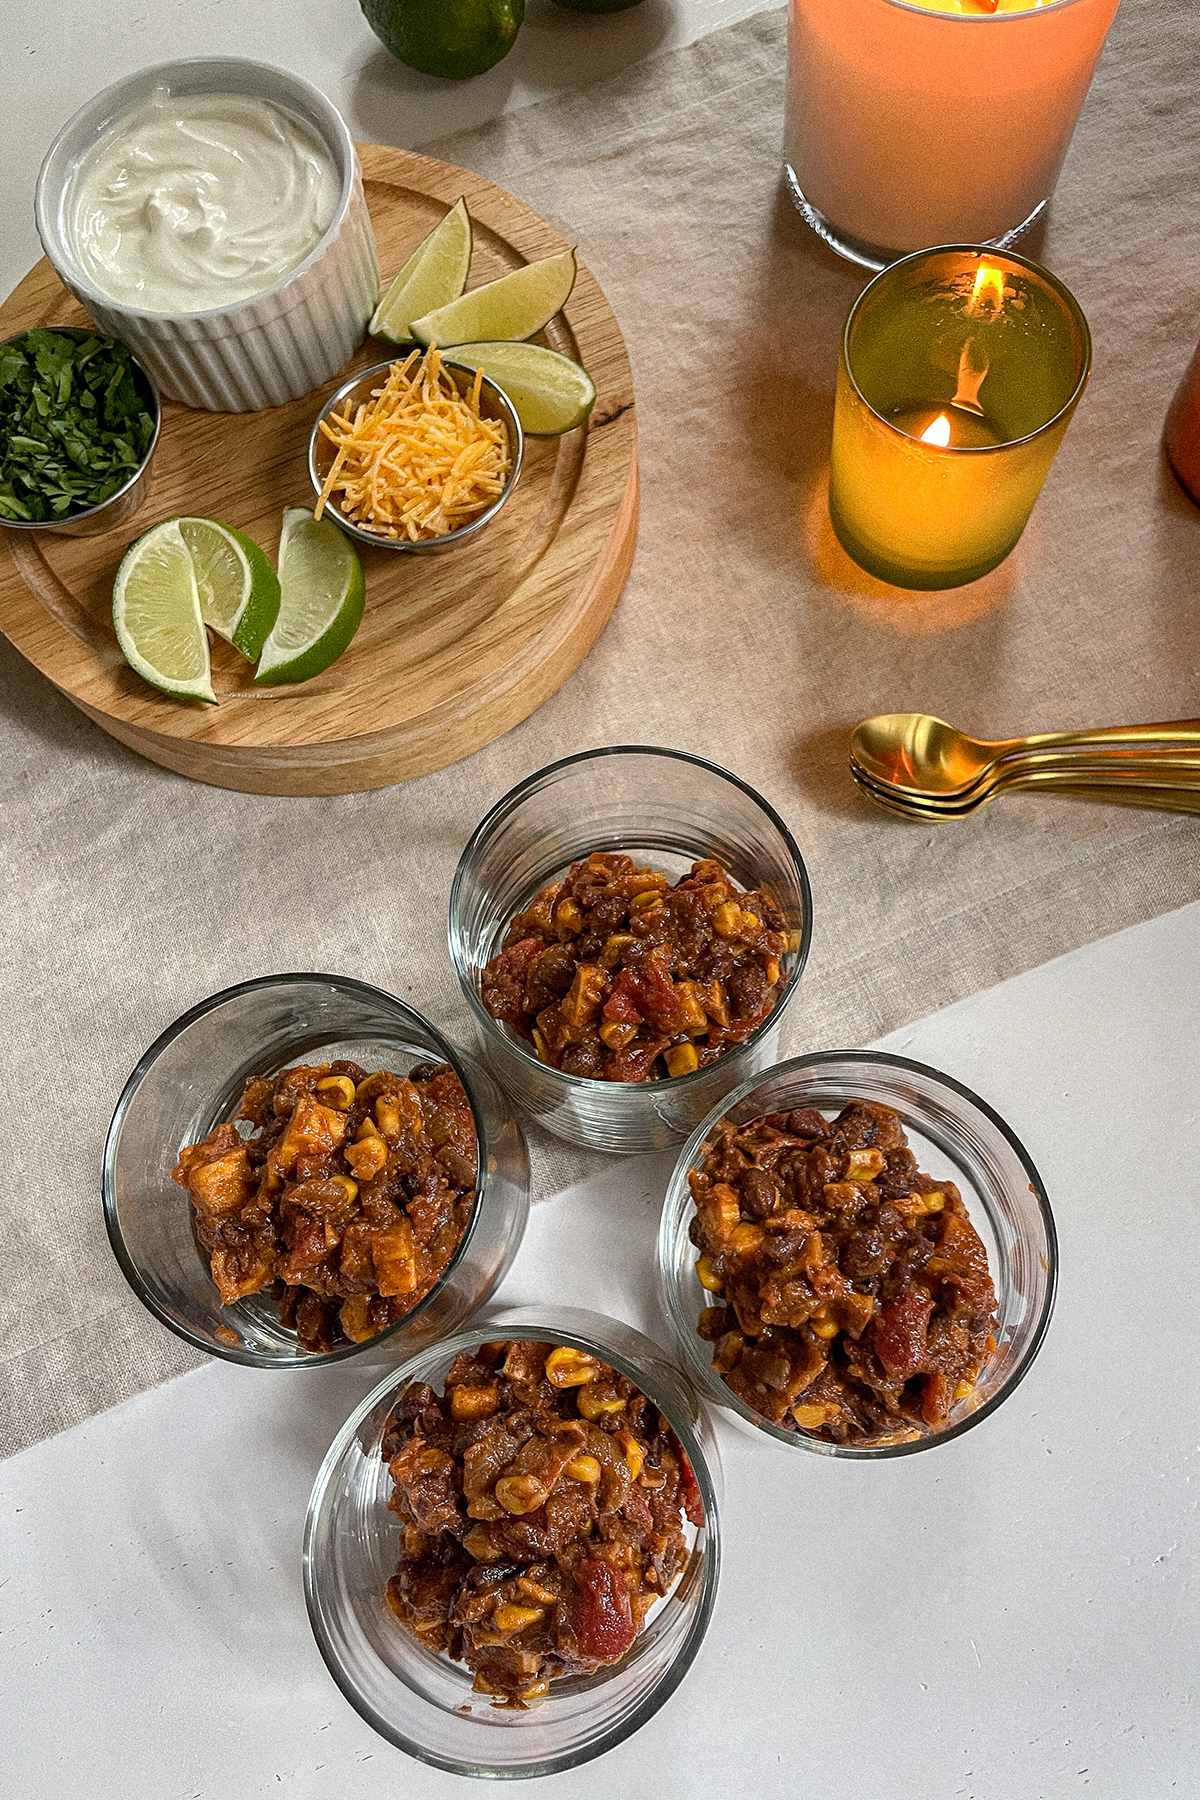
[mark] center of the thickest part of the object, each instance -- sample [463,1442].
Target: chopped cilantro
[76,420]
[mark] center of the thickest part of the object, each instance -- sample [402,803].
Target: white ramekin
[277,345]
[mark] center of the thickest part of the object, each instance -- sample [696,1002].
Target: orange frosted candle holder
[959,373]
[910,124]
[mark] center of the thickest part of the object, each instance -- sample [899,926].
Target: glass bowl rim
[508,804]
[318,1359]
[79,332]
[1070,305]
[718,1390]
[451,539]
[522,1321]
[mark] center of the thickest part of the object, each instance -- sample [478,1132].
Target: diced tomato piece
[900,1329]
[621,1007]
[693,1505]
[601,1615]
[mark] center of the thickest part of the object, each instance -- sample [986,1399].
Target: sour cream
[197,201]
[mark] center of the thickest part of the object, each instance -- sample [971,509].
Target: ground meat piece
[848,1292]
[347,1201]
[536,1536]
[616,974]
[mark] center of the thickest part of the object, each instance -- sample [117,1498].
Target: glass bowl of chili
[191,1080]
[669,810]
[955,1137]
[424,1702]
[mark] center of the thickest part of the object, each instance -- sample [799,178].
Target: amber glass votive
[960,370]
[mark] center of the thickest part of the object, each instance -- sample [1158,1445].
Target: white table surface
[56,57]
[1013,1616]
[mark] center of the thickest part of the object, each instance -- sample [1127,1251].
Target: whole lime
[597,6]
[451,38]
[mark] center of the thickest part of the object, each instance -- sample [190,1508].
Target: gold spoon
[1174,789]
[918,754]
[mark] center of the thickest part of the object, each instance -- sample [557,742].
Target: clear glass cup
[669,809]
[424,1703]
[954,1135]
[191,1078]
[912,124]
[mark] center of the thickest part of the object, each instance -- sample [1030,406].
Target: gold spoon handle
[1177,732]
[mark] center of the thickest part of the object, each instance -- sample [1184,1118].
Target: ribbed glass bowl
[668,809]
[191,1078]
[424,1703]
[954,1135]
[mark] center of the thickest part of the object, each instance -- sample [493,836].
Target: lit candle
[960,370]
[936,122]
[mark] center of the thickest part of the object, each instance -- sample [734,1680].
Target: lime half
[320,602]
[551,394]
[434,275]
[156,615]
[512,308]
[238,588]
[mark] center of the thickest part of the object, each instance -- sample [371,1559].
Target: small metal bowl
[122,505]
[494,403]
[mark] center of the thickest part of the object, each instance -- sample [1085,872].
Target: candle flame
[988,289]
[938,432]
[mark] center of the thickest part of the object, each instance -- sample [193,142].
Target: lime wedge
[156,615]
[238,588]
[512,308]
[434,275]
[551,393]
[320,601]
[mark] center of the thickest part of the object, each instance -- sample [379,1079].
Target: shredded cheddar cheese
[419,460]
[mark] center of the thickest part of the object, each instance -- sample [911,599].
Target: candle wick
[972,372]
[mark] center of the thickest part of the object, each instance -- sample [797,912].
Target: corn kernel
[750,922]
[519,1494]
[542,1595]
[585,1469]
[515,1618]
[649,897]
[707,1276]
[635,1456]
[539,1044]
[617,1035]
[825,1328]
[568,917]
[931,1203]
[338,1091]
[350,1187]
[681,1059]
[368,1129]
[367,1158]
[610,956]
[597,1406]
[864,1165]
[727,919]
[771,971]
[387,1114]
[963,1389]
[468,1403]
[570,1368]
[815,1414]
[538,1691]
[744,1240]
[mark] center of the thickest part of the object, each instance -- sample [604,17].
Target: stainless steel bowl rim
[452,539]
[91,512]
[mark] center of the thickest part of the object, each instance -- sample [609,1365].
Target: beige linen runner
[744,634]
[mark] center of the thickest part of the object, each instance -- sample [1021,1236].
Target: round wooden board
[453,650]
